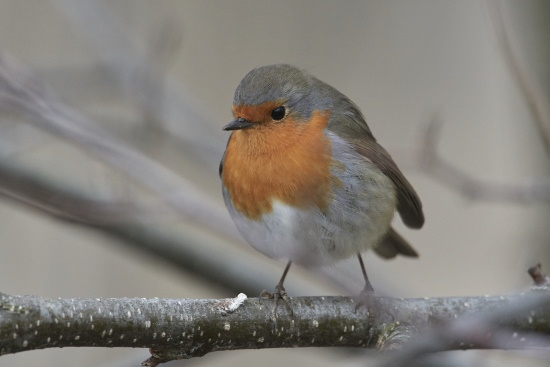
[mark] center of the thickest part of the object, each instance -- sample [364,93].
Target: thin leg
[285,272]
[366,295]
[368,286]
[280,292]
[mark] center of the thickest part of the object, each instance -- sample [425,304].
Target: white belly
[357,218]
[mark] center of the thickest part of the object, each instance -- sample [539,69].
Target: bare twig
[532,93]
[181,112]
[19,92]
[438,168]
[539,278]
[176,329]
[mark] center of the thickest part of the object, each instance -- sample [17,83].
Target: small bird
[304,179]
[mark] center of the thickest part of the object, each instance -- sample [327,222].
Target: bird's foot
[277,295]
[366,299]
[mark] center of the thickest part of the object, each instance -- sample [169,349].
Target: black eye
[278,113]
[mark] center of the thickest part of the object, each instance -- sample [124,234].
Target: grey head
[302,93]
[295,88]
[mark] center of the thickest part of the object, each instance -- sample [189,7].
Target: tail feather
[393,244]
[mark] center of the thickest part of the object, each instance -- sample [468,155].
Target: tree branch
[179,329]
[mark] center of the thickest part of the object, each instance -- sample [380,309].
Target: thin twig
[532,93]
[22,94]
[470,187]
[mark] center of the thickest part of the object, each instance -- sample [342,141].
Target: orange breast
[287,161]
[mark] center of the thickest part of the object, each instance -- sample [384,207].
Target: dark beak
[238,124]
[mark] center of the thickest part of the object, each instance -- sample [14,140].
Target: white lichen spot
[25,344]
[183,334]
[181,317]
[312,340]
[227,326]
[134,340]
[198,328]
[103,333]
[209,340]
[171,318]
[92,326]
[91,318]
[77,337]
[36,332]
[345,329]
[154,335]
[110,313]
[455,316]
[31,326]
[68,324]
[279,334]
[37,323]
[147,324]
[254,333]
[514,335]
[62,315]
[461,344]
[55,320]
[111,331]
[121,336]
[315,323]
[129,314]
[219,335]
[15,335]
[202,332]
[261,339]
[352,327]
[48,340]
[99,310]
[139,311]
[230,305]
[530,320]
[466,304]
[522,340]
[163,334]
[282,328]
[60,337]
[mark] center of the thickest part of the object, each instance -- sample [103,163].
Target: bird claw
[366,299]
[277,295]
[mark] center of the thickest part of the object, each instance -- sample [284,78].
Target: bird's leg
[365,297]
[280,292]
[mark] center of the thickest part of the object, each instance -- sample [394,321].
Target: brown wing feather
[409,205]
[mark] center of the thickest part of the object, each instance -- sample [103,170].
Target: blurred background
[157,79]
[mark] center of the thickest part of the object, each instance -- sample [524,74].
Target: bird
[304,179]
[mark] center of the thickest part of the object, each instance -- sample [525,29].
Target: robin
[304,178]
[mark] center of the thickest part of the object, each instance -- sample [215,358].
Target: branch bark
[186,328]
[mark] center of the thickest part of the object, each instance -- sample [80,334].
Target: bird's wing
[350,125]
[409,205]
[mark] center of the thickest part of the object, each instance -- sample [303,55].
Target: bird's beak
[238,124]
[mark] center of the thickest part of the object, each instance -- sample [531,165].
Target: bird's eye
[278,113]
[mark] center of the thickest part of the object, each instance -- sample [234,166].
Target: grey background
[402,62]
